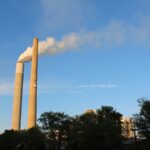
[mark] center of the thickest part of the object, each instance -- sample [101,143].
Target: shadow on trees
[93,130]
[32,139]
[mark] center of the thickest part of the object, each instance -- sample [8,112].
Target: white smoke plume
[114,34]
[51,46]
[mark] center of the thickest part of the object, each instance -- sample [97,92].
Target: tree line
[100,129]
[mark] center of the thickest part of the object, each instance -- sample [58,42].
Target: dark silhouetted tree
[93,130]
[32,139]
[142,119]
[109,127]
[55,125]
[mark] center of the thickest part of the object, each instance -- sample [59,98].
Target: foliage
[93,130]
[89,131]
[32,139]
[109,127]
[55,125]
[142,119]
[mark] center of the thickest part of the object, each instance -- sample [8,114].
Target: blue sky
[110,67]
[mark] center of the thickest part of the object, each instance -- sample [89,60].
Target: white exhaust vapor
[113,34]
[52,47]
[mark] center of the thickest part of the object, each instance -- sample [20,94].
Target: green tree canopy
[55,125]
[93,130]
[142,119]
[32,139]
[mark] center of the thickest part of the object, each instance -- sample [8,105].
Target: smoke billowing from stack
[52,47]
[16,116]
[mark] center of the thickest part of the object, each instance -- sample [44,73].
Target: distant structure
[90,111]
[17,103]
[127,124]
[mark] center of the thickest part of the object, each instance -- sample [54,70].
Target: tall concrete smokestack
[16,115]
[32,108]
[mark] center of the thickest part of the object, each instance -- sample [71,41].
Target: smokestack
[32,108]
[16,115]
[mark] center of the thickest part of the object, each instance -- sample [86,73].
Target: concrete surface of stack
[32,107]
[16,115]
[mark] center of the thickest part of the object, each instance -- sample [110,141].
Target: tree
[9,140]
[93,130]
[142,119]
[87,132]
[32,139]
[55,126]
[109,127]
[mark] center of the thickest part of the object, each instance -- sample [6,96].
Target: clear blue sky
[112,69]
